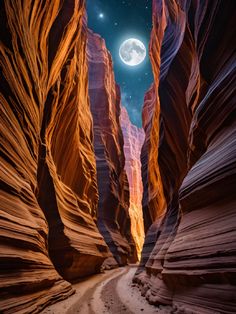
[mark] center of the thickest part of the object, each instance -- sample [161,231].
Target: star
[101,15]
[115,23]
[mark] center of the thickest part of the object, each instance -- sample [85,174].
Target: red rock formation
[190,129]
[133,141]
[48,175]
[113,216]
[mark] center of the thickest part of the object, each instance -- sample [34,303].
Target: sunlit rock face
[48,171]
[133,141]
[189,119]
[113,207]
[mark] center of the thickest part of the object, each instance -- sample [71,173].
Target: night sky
[116,21]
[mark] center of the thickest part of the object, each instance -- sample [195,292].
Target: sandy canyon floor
[111,292]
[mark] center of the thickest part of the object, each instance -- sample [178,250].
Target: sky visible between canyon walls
[117,21]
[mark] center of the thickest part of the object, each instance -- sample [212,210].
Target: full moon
[132,52]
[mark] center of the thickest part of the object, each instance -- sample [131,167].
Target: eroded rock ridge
[113,207]
[49,189]
[189,159]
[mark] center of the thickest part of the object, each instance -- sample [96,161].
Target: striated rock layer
[133,141]
[189,159]
[113,206]
[48,172]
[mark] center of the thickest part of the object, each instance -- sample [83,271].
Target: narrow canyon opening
[118,157]
[119,75]
[125,74]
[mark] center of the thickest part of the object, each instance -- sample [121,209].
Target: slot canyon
[99,215]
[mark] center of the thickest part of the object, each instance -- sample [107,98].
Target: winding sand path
[108,293]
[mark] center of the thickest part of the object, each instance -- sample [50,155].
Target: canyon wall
[49,192]
[133,141]
[189,159]
[113,207]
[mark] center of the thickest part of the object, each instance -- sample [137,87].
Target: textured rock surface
[113,207]
[190,137]
[48,169]
[153,201]
[133,141]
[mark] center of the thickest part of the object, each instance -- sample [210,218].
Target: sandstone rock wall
[113,206]
[153,200]
[191,126]
[133,141]
[48,172]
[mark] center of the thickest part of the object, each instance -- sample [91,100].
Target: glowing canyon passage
[98,215]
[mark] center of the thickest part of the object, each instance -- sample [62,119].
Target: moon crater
[132,52]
